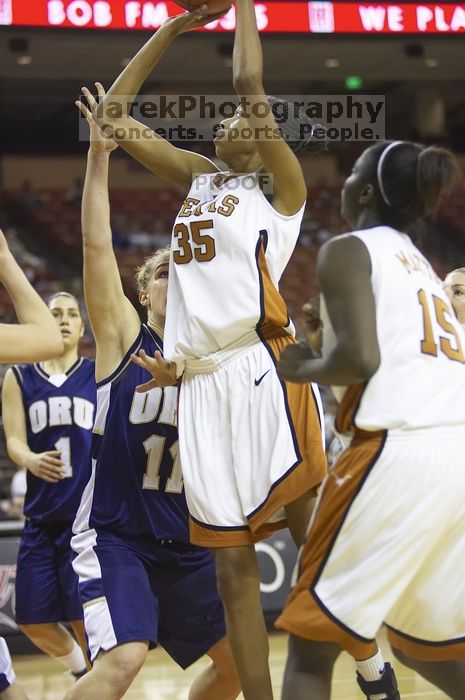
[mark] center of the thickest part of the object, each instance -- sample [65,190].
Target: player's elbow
[58,346]
[51,346]
[247,82]
[366,363]
[11,442]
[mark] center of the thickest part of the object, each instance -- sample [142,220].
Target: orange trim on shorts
[304,615]
[307,473]
[274,310]
[217,537]
[424,650]
[344,422]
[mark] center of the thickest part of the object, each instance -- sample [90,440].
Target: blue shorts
[46,585]
[138,589]
[4,682]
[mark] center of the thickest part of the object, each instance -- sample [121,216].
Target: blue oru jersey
[59,416]
[136,486]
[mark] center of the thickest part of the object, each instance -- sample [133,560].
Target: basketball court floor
[161,679]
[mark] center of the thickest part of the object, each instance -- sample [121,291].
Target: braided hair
[296,128]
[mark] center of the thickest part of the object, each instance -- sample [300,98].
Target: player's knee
[308,656]
[121,665]
[405,660]
[236,571]
[130,663]
[224,666]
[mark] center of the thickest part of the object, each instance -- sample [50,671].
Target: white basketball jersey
[229,250]
[420,382]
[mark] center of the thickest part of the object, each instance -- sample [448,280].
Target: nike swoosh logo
[342,479]
[257,381]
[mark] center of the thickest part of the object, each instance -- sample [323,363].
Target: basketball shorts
[138,589]
[7,674]
[250,443]
[387,544]
[46,585]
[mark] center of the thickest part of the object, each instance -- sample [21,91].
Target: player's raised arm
[37,336]
[175,165]
[290,191]
[114,320]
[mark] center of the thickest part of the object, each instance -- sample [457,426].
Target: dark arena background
[410,56]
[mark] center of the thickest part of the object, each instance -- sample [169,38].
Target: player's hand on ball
[294,363]
[100,141]
[163,372]
[193,19]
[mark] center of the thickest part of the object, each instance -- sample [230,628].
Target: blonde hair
[458,269]
[145,271]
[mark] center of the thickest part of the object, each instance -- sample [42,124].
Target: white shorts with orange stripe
[387,544]
[249,444]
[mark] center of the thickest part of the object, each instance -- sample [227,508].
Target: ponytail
[410,180]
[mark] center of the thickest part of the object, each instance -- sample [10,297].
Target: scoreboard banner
[280,17]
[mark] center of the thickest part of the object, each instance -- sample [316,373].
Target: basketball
[214,6]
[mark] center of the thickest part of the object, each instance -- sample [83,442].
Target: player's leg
[69,587]
[309,669]
[310,664]
[53,639]
[279,461]
[112,673]
[249,448]
[39,597]
[219,679]
[338,597]
[448,676]
[120,613]
[238,581]
[298,514]
[191,618]
[80,634]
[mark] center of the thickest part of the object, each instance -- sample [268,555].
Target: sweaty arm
[174,165]
[37,336]
[45,465]
[344,273]
[114,320]
[290,190]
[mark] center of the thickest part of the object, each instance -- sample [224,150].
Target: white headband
[380,168]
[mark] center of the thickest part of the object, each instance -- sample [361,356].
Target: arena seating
[57,222]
